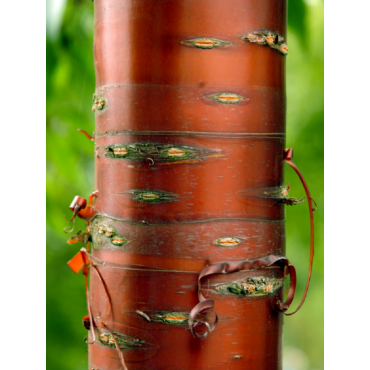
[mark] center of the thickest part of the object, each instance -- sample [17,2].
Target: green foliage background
[70,171]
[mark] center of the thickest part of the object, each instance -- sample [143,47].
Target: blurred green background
[70,171]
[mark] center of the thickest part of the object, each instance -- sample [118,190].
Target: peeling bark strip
[257,286]
[227,98]
[158,152]
[268,38]
[98,103]
[207,304]
[124,341]
[205,43]
[153,196]
[227,241]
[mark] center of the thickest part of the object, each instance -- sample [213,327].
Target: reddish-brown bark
[185,178]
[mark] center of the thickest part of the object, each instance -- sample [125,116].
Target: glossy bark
[187,184]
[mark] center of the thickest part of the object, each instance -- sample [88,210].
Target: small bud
[271,39]
[283,48]
[268,38]
[110,231]
[285,191]
[102,229]
[261,40]
[268,288]
[98,103]
[280,39]
[251,37]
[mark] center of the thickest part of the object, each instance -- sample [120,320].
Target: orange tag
[78,261]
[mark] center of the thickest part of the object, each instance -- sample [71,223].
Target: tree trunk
[190,132]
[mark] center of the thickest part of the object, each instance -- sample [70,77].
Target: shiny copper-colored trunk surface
[190,131]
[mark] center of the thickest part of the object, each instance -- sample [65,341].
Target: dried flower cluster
[98,103]
[268,38]
[110,232]
[251,286]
